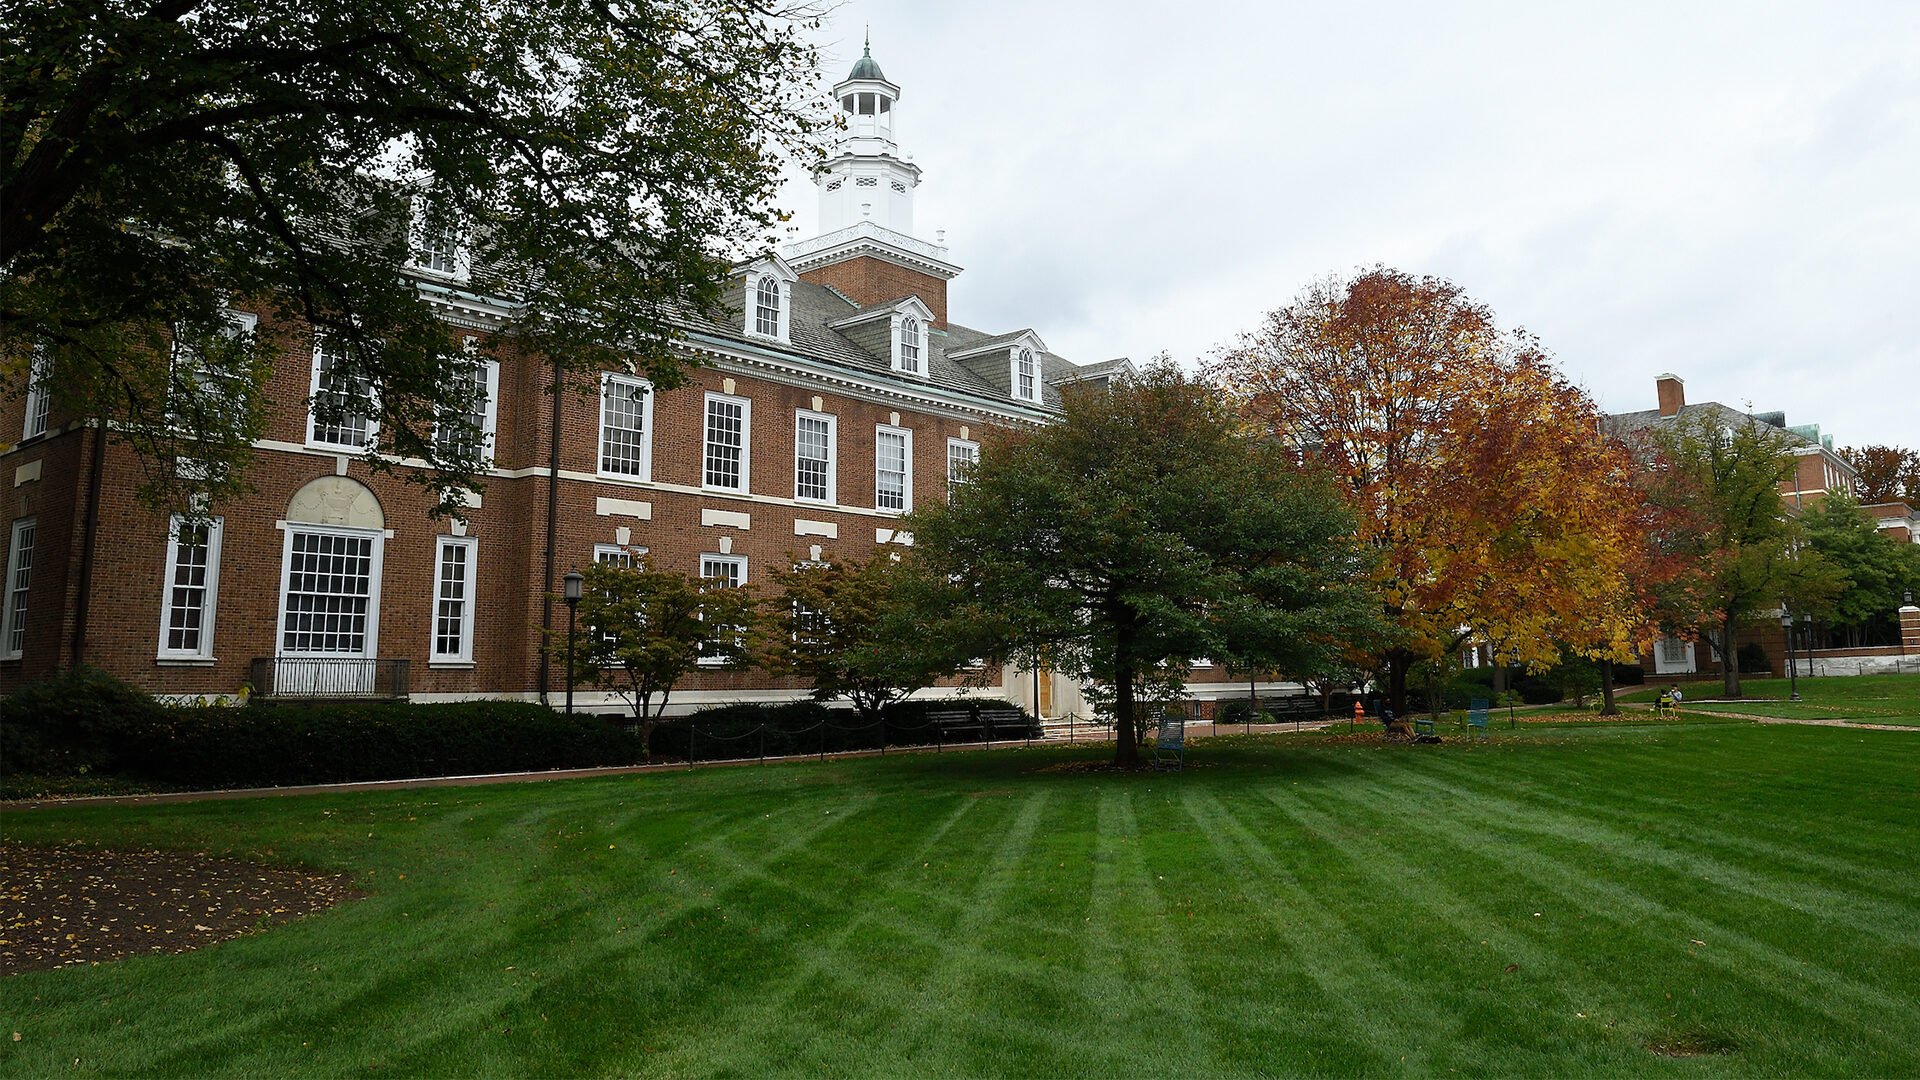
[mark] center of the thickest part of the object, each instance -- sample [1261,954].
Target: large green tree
[591,164]
[1748,546]
[1877,570]
[1142,531]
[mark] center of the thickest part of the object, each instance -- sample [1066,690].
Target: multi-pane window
[813,457]
[192,585]
[893,459]
[766,307]
[453,600]
[440,248]
[910,345]
[725,465]
[1672,650]
[39,399]
[622,555]
[626,407]
[468,433]
[723,572]
[13,604]
[961,456]
[328,595]
[1024,375]
[350,424]
[204,396]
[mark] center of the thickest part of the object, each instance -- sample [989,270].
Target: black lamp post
[1793,668]
[571,594]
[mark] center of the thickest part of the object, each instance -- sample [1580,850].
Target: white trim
[833,456]
[14,606]
[371,413]
[746,440]
[209,598]
[468,608]
[626,556]
[609,379]
[901,319]
[906,480]
[370,646]
[1013,359]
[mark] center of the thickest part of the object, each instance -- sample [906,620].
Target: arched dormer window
[766,307]
[910,345]
[1026,375]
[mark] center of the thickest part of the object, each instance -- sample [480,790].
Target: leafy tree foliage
[1748,545]
[1886,473]
[1876,570]
[1143,531]
[1477,473]
[591,163]
[849,629]
[641,631]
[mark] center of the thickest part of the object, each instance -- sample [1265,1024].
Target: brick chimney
[1673,394]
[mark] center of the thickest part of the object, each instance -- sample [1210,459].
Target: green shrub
[1629,675]
[75,723]
[1753,659]
[807,727]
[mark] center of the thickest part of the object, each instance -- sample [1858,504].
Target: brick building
[836,398]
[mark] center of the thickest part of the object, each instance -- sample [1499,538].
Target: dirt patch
[1693,1044]
[72,905]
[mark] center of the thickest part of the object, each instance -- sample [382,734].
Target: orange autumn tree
[1479,474]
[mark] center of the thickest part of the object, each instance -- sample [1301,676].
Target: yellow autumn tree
[1499,510]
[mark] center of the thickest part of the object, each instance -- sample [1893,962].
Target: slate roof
[1624,424]
[814,307]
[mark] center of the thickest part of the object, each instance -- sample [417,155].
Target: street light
[1793,668]
[571,594]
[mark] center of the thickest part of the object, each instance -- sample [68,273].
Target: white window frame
[469,607]
[370,645]
[973,450]
[625,556]
[314,390]
[244,322]
[783,306]
[16,589]
[38,401]
[918,368]
[608,380]
[833,456]
[739,562]
[418,255]
[1014,362]
[209,596]
[906,480]
[746,440]
[489,411]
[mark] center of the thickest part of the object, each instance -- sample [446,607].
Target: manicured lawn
[1681,899]
[1873,699]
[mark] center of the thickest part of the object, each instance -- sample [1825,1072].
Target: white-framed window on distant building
[726,458]
[453,606]
[962,456]
[814,438]
[330,592]
[470,433]
[722,572]
[190,594]
[1026,375]
[766,307]
[13,600]
[626,426]
[39,392]
[624,556]
[908,354]
[352,426]
[893,469]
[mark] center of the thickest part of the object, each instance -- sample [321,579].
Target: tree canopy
[1475,470]
[1886,473]
[589,165]
[1877,571]
[1141,532]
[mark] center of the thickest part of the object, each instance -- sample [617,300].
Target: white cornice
[868,238]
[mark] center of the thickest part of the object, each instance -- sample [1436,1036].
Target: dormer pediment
[767,299]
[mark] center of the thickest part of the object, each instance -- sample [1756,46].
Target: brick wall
[868,280]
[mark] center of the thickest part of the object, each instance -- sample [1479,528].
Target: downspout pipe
[89,533]
[553,529]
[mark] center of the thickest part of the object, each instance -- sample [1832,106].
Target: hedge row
[808,727]
[86,722]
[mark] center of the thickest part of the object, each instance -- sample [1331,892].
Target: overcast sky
[1729,192]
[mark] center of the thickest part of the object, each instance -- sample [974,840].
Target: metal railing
[383,678]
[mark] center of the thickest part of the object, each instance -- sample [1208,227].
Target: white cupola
[866,179]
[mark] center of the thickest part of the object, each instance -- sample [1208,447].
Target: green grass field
[1870,699]
[1638,899]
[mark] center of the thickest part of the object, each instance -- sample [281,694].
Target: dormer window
[440,241]
[1026,375]
[766,307]
[769,300]
[909,349]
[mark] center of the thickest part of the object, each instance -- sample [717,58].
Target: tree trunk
[1397,663]
[1607,707]
[1729,663]
[1499,680]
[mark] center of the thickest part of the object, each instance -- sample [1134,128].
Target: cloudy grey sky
[1727,191]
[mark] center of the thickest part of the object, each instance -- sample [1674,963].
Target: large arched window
[766,307]
[1025,375]
[910,345]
